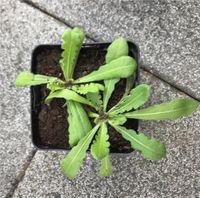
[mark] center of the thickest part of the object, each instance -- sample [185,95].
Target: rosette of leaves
[126,108]
[69,88]
[72,90]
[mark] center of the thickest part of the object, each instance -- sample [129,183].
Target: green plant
[68,88]
[150,148]
[73,90]
[83,133]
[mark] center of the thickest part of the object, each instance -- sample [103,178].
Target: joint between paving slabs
[169,83]
[35,6]
[95,40]
[21,175]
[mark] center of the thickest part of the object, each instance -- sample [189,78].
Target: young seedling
[127,107]
[72,90]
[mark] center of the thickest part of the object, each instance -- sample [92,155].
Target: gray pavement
[168,35]
[21,28]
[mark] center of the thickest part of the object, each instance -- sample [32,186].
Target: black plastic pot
[35,91]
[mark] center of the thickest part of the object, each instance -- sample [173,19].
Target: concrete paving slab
[133,177]
[21,29]
[167,32]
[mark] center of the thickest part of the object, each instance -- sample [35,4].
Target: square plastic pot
[36,94]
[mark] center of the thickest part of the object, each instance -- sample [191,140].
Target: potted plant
[92,100]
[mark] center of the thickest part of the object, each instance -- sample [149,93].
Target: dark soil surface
[51,121]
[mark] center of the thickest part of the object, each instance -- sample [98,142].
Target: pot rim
[99,45]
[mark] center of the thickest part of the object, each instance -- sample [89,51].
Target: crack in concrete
[21,174]
[53,16]
[169,83]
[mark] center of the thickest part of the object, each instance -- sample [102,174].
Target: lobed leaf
[86,88]
[71,44]
[71,164]
[67,95]
[29,79]
[112,70]
[150,148]
[106,167]
[100,146]
[169,110]
[79,123]
[95,99]
[54,86]
[137,97]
